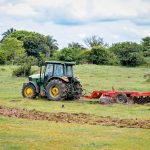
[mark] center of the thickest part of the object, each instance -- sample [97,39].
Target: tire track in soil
[79,118]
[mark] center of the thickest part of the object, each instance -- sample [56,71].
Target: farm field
[41,134]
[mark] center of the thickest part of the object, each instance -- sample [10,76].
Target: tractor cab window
[58,70]
[69,71]
[49,70]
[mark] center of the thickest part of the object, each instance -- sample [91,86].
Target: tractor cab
[56,81]
[58,69]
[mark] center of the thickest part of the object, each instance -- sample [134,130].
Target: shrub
[84,58]
[2,57]
[132,59]
[101,55]
[55,56]
[2,60]
[147,61]
[26,59]
[128,53]
[23,70]
[70,54]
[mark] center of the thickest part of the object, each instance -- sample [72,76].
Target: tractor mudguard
[35,85]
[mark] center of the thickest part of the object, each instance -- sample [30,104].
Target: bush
[2,60]
[55,56]
[128,53]
[70,54]
[147,61]
[132,59]
[2,57]
[84,58]
[23,70]
[26,59]
[101,55]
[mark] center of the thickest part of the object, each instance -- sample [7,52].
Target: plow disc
[114,96]
[141,99]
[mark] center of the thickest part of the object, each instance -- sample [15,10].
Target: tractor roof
[60,62]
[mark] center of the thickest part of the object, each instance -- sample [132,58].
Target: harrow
[114,96]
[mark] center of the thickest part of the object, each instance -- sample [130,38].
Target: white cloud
[81,11]
[70,20]
[87,10]
[18,10]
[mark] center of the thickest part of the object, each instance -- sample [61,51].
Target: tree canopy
[11,49]
[7,33]
[146,46]
[19,46]
[94,41]
[128,53]
[35,43]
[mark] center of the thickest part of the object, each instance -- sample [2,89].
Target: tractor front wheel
[56,90]
[28,91]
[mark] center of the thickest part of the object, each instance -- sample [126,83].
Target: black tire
[29,91]
[121,98]
[61,86]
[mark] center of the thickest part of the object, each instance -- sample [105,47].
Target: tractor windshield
[58,70]
[69,71]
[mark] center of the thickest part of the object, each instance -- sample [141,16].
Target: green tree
[129,53]
[70,54]
[36,44]
[101,55]
[146,46]
[12,49]
[75,45]
[8,32]
[2,56]
[52,46]
[94,41]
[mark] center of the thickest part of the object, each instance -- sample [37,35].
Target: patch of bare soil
[79,118]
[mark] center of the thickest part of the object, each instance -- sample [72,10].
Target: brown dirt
[79,118]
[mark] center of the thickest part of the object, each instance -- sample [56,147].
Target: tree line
[20,47]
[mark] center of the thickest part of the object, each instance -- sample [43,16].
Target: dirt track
[79,118]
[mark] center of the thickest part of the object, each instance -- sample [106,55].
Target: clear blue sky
[73,20]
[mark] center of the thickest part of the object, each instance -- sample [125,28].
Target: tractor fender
[61,78]
[35,85]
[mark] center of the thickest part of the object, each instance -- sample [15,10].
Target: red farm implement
[106,96]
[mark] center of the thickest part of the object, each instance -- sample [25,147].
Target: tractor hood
[36,76]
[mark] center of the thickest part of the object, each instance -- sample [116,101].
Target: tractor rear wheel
[28,91]
[121,98]
[56,90]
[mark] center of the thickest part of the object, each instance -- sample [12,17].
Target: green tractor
[55,81]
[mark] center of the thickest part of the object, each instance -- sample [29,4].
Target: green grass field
[29,134]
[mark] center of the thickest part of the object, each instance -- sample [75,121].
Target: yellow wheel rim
[28,91]
[54,91]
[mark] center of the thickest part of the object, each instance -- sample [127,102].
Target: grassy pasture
[22,134]
[28,134]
